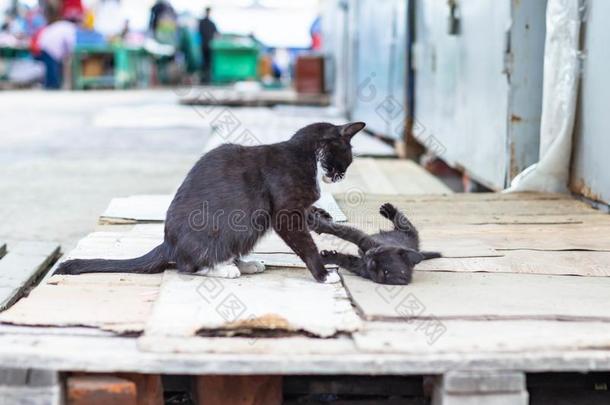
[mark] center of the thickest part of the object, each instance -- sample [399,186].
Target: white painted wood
[138,208]
[20,386]
[24,395]
[477,387]
[409,178]
[374,178]
[448,295]
[433,336]
[21,266]
[266,301]
[101,354]
[112,302]
[577,263]
[587,236]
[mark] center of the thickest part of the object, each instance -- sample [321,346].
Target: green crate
[234,59]
[126,63]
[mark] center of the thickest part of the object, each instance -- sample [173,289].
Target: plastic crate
[234,59]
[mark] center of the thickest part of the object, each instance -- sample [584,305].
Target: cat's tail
[154,261]
[431,255]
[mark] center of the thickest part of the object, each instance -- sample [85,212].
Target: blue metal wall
[478,92]
[591,157]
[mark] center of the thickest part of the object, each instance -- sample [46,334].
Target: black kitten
[232,196]
[387,257]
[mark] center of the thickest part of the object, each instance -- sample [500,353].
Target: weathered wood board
[593,237]
[153,208]
[481,296]
[391,178]
[457,209]
[575,263]
[427,337]
[113,302]
[23,264]
[68,353]
[266,301]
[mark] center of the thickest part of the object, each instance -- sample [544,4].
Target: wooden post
[478,387]
[239,390]
[100,390]
[148,388]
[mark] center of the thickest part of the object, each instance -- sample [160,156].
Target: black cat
[232,196]
[387,257]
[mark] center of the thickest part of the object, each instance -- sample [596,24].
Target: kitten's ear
[351,129]
[413,256]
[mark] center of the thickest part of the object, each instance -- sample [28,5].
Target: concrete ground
[60,164]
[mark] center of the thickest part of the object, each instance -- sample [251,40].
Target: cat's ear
[413,256]
[351,129]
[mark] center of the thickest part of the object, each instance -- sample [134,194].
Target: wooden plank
[239,390]
[138,208]
[409,178]
[373,177]
[122,354]
[493,387]
[527,237]
[149,387]
[31,386]
[113,302]
[575,263]
[100,390]
[448,295]
[20,268]
[190,304]
[428,337]
[461,206]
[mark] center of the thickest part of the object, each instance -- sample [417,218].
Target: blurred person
[56,43]
[71,8]
[163,23]
[316,34]
[207,31]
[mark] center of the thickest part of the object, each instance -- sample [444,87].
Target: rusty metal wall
[478,76]
[590,174]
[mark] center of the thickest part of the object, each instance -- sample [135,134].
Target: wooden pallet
[24,263]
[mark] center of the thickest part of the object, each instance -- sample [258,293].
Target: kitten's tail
[431,255]
[154,261]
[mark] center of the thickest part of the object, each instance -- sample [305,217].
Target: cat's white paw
[221,271]
[332,277]
[251,267]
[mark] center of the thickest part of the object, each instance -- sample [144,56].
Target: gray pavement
[59,166]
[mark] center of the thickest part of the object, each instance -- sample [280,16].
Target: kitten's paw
[332,277]
[221,271]
[388,211]
[328,253]
[317,219]
[251,267]
[320,213]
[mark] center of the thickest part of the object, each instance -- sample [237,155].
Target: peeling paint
[515,118]
[266,321]
[580,187]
